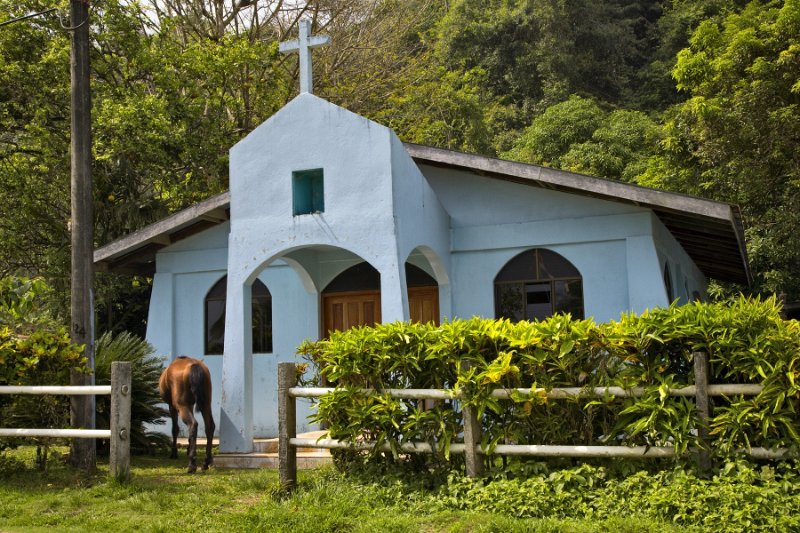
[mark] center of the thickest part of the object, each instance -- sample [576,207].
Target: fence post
[287,426]
[472,437]
[120,420]
[703,409]
[472,441]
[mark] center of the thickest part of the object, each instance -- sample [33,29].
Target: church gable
[311,158]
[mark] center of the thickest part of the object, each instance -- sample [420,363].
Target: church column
[236,414]
[394,292]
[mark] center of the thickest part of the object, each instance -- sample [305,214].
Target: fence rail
[69,390]
[558,393]
[120,419]
[701,391]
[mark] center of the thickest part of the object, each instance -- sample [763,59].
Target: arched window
[215,318]
[536,284]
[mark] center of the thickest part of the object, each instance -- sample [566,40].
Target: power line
[27,16]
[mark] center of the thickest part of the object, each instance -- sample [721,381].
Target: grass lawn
[162,497]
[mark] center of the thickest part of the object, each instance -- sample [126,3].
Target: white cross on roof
[303,44]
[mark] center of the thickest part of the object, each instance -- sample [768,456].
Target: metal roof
[711,232]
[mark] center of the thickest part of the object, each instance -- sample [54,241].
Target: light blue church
[331,221]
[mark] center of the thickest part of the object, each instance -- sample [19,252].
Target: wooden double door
[344,310]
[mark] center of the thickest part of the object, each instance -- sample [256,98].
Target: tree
[34,147]
[551,134]
[578,135]
[537,52]
[735,139]
[619,148]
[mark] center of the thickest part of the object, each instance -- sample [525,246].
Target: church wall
[645,283]
[602,266]
[420,217]
[687,279]
[294,319]
[355,155]
[177,326]
[611,244]
[473,200]
[186,271]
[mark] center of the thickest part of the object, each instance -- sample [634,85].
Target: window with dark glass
[536,284]
[215,318]
[308,192]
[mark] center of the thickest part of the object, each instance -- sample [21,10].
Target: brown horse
[186,387]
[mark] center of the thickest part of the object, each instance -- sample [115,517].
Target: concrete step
[305,460]
[265,454]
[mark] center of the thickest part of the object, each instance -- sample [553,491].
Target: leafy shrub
[146,403]
[34,350]
[746,339]
[740,497]
[42,358]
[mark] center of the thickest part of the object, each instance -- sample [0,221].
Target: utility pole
[83,452]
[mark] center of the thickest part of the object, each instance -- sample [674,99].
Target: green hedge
[739,497]
[746,339]
[41,358]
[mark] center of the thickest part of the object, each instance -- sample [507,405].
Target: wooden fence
[120,419]
[701,391]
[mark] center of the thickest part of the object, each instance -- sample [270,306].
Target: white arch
[440,273]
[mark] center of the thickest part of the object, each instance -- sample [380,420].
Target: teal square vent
[307,192]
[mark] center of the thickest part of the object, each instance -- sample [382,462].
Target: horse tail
[197,384]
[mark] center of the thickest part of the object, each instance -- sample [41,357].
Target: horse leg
[189,419]
[208,421]
[173,413]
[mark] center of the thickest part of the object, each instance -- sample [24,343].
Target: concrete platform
[265,454]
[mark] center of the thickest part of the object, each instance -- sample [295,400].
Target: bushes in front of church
[41,358]
[746,339]
[35,349]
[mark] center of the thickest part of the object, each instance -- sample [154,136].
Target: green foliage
[578,135]
[34,350]
[167,105]
[735,138]
[551,134]
[442,108]
[159,497]
[175,84]
[41,358]
[146,402]
[619,148]
[26,304]
[740,497]
[746,340]
[538,51]
[34,144]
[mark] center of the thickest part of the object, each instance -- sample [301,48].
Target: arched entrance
[353,298]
